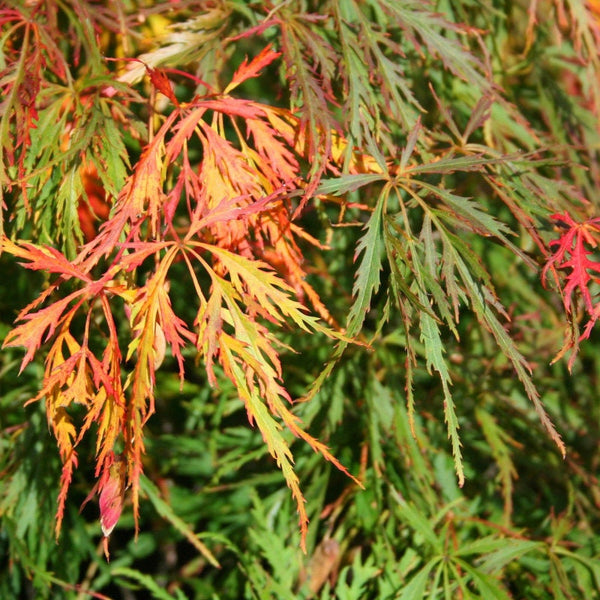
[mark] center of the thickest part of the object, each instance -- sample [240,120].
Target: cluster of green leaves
[336,220]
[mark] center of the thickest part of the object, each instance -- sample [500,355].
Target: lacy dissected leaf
[310,63]
[443,278]
[38,325]
[434,351]
[484,305]
[247,350]
[573,250]
[24,73]
[370,246]
[73,374]
[424,26]
[576,251]
[375,81]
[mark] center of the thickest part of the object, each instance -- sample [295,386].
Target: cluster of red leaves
[228,219]
[576,252]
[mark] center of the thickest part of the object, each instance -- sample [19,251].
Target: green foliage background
[525,524]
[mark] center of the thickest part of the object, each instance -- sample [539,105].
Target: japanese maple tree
[289,203]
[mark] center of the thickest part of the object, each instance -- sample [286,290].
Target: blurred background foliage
[525,524]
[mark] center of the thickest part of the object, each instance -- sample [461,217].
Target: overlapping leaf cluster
[218,184]
[222,217]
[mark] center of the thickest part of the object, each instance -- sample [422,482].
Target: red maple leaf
[575,249]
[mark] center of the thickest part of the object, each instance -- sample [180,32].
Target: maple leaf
[38,325]
[575,249]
